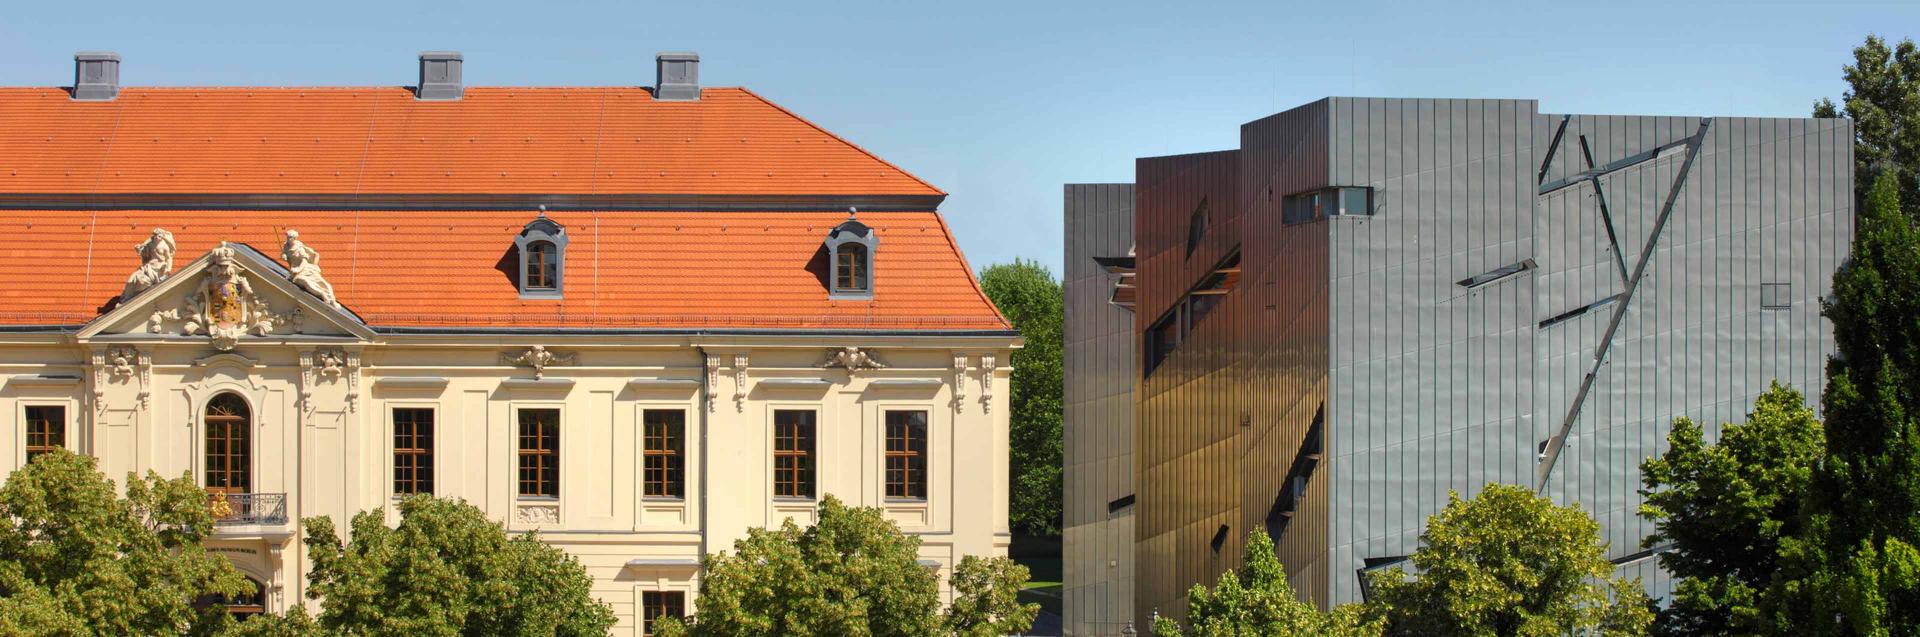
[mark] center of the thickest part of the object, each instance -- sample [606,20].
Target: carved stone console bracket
[740,382]
[123,363]
[960,383]
[986,383]
[329,364]
[713,378]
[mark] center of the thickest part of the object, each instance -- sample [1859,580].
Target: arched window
[542,245]
[850,247]
[542,266]
[229,448]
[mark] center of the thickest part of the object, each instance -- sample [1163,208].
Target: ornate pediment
[228,295]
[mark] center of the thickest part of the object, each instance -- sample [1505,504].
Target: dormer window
[850,251]
[542,245]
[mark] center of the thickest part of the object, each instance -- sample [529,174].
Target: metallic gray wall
[1437,388]
[1098,543]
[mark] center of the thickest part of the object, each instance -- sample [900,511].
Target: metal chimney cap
[96,56]
[677,56]
[441,55]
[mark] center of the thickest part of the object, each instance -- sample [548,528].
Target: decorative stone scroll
[329,364]
[120,363]
[740,382]
[960,382]
[156,263]
[713,378]
[852,359]
[986,383]
[539,358]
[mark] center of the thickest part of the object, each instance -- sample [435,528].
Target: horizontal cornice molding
[439,201]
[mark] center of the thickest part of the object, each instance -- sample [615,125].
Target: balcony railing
[235,509]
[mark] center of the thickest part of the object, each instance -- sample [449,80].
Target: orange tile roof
[495,140]
[450,269]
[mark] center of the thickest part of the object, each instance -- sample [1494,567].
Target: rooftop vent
[439,76]
[678,76]
[96,75]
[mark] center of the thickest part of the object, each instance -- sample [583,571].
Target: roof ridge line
[843,140]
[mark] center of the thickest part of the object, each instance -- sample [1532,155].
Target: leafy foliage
[1854,569]
[852,574]
[1031,298]
[1883,100]
[76,560]
[1257,600]
[1512,564]
[446,570]
[1725,507]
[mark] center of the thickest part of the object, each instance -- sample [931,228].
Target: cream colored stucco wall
[332,454]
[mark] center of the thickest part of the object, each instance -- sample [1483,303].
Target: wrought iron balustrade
[234,509]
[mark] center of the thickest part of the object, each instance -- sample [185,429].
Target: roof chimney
[678,76]
[439,76]
[96,75]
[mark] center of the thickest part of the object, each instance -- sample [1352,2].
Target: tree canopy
[1724,507]
[851,574]
[1256,600]
[77,560]
[1511,564]
[1031,298]
[1883,100]
[447,570]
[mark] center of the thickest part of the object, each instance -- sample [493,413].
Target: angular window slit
[1219,538]
[1497,274]
[1578,312]
[1120,503]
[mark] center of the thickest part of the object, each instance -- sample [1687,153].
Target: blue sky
[1000,103]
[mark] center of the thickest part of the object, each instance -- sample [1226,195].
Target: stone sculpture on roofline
[303,268]
[156,263]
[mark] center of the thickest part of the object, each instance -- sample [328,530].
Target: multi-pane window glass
[657,604]
[543,266]
[665,437]
[850,272]
[229,466]
[46,429]
[1326,202]
[540,452]
[907,454]
[793,453]
[412,450]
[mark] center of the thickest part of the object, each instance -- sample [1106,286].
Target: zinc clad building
[639,320]
[1372,302]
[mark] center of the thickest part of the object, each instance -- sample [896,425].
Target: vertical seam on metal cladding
[1651,243]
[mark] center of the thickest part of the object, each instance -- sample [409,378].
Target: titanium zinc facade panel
[1098,565]
[1650,268]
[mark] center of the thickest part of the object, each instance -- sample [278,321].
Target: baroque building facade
[640,321]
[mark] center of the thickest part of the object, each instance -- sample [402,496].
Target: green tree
[1030,297]
[1853,570]
[1725,506]
[852,574]
[447,570]
[1256,600]
[77,560]
[1511,564]
[1883,100]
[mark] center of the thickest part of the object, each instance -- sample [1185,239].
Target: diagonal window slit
[1578,312]
[1496,274]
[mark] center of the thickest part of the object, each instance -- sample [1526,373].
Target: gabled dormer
[850,247]
[542,245]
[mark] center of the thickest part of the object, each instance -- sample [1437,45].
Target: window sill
[909,501]
[663,499]
[787,499]
[536,498]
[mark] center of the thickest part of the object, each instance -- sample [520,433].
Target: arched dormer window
[542,245]
[850,252]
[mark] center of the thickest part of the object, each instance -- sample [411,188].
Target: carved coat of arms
[224,306]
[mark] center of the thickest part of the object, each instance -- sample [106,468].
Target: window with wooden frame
[793,464]
[850,275]
[412,450]
[657,604]
[664,467]
[46,429]
[907,454]
[542,265]
[540,453]
[229,446]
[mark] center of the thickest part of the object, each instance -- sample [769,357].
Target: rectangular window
[412,450]
[1776,296]
[851,273]
[540,452]
[46,429]
[1161,339]
[1320,204]
[907,454]
[664,468]
[657,604]
[793,453]
[1355,201]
